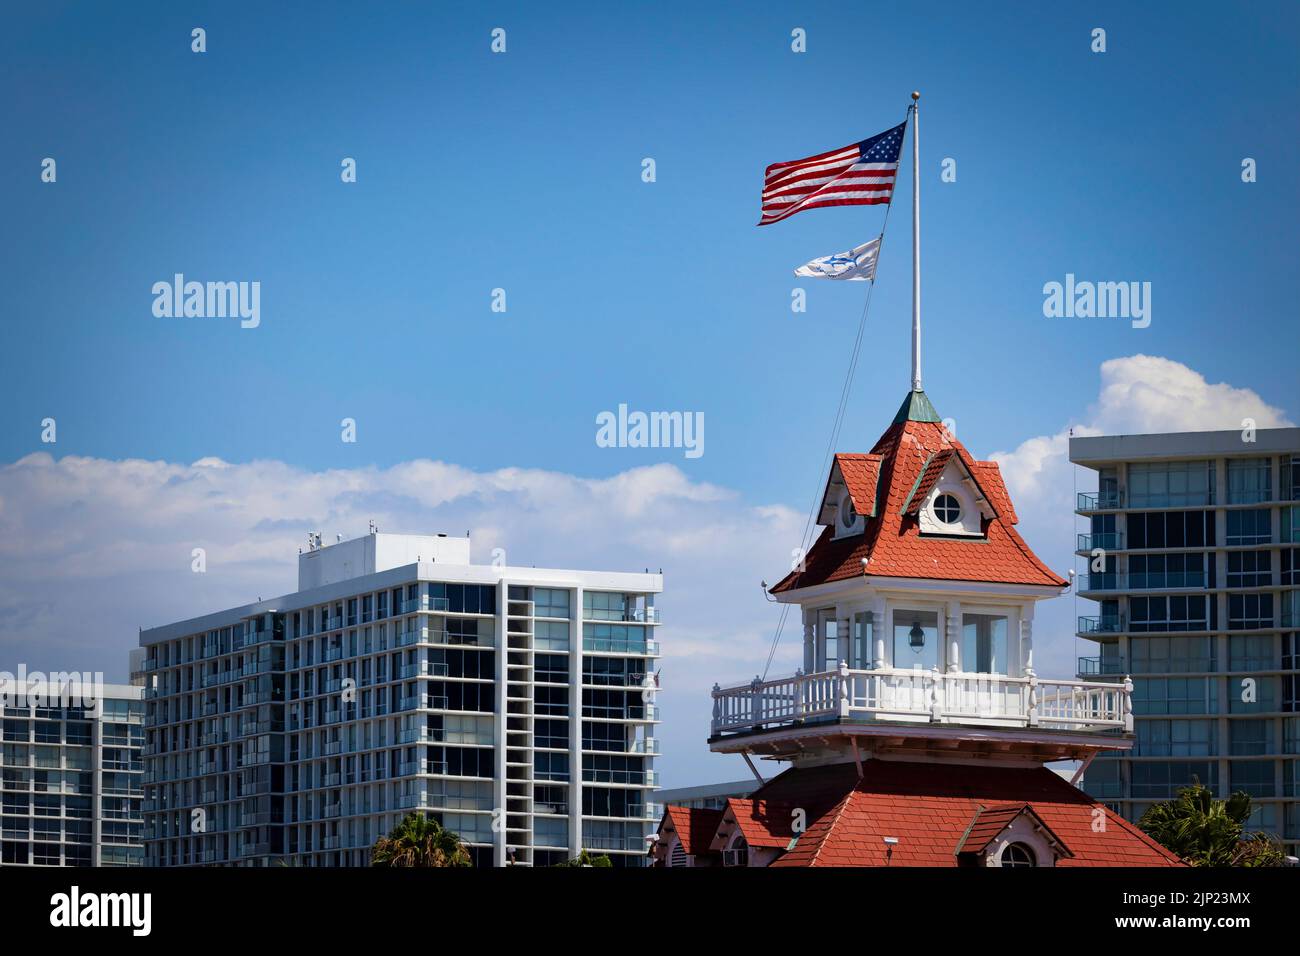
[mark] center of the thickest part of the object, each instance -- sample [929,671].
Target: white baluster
[1128,705]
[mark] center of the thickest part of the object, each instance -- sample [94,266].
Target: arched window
[1017,854]
[677,855]
[737,854]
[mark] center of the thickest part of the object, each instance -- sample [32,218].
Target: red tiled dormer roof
[860,474]
[911,453]
[694,826]
[989,822]
[927,479]
[929,808]
[763,823]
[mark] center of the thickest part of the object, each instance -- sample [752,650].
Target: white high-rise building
[70,776]
[1192,554]
[514,705]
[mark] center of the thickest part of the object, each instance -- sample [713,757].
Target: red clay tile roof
[892,541]
[989,822]
[695,827]
[989,476]
[929,808]
[766,823]
[928,478]
[860,473]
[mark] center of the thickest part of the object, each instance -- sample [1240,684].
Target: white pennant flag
[858,263]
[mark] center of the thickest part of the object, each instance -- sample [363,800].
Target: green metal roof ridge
[916,408]
[917,484]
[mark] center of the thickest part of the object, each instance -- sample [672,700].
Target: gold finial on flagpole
[915,95]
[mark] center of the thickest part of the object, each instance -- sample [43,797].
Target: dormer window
[1017,854]
[848,513]
[952,510]
[737,854]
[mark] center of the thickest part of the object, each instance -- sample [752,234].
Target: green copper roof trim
[916,408]
[921,474]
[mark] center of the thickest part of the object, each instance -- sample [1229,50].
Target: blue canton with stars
[884,147]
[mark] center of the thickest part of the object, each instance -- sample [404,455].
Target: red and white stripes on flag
[858,175]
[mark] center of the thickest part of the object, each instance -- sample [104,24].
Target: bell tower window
[947,509]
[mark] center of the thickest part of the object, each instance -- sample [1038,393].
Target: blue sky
[523,171]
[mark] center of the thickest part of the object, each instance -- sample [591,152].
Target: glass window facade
[321,733]
[1248,481]
[1170,484]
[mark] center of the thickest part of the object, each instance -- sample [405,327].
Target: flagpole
[916,245]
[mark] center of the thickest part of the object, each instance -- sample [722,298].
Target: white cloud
[1139,394]
[91,549]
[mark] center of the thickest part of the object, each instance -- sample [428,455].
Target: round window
[848,513]
[1017,854]
[947,509]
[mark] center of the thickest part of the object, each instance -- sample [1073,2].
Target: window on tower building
[984,644]
[1251,738]
[863,640]
[1261,699]
[1255,777]
[1248,526]
[1249,569]
[1248,481]
[1170,529]
[1174,738]
[947,509]
[829,650]
[1168,613]
[1290,560]
[1171,655]
[1174,695]
[1170,484]
[1163,780]
[916,639]
[1166,571]
[1248,612]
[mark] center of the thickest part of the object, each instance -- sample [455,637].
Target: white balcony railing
[990,700]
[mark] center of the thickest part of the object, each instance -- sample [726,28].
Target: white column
[1027,640]
[97,788]
[575,723]
[879,627]
[499,789]
[953,620]
[843,637]
[809,641]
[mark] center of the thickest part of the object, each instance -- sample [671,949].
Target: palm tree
[1260,849]
[1208,832]
[585,858]
[419,841]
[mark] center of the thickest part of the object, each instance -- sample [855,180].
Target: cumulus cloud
[91,549]
[1139,394]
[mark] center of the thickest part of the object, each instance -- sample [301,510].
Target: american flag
[857,175]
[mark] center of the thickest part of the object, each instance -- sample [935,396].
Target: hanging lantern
[916,637]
